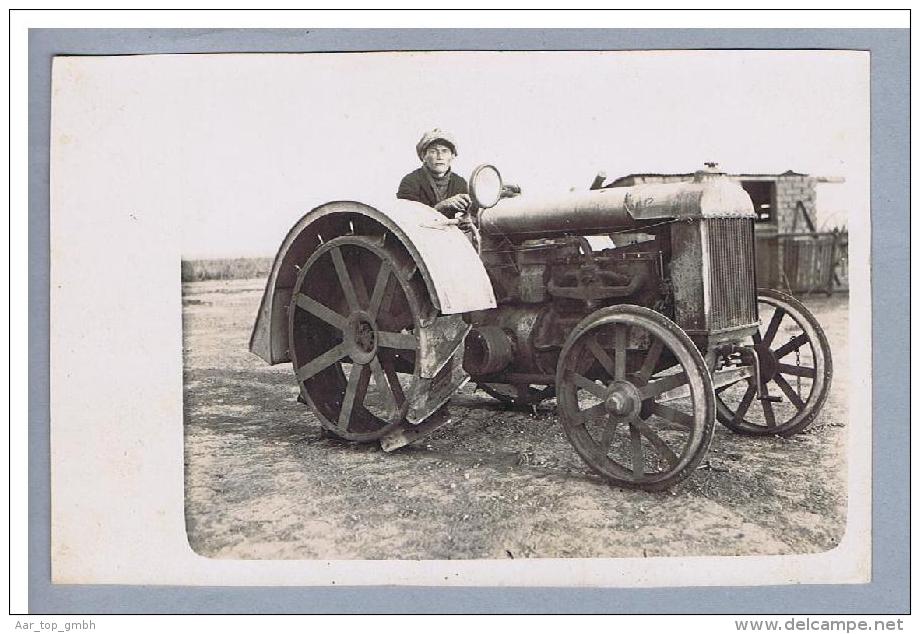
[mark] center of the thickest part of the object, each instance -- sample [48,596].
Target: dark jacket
[416,186]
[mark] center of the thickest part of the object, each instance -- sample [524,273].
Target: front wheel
[635,398]
[795,370]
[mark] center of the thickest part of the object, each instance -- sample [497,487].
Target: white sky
[238,147]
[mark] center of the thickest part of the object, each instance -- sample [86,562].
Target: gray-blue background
[889,590]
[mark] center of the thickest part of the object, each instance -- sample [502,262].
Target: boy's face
[438,157]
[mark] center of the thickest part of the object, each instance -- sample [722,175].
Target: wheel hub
[623,399]
[767,361]
[361,337]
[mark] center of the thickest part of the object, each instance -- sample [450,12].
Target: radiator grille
[733,294]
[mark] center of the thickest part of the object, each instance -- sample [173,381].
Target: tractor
[635,308]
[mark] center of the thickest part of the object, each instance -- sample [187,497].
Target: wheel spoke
[321,362]
[793,344]
[388,308]
[768,413]
[354,393]
[384,389]
[745,403]
[651,361]
[660,446]
[609,434]
[674,415]
[587,384]
[398,340]
[380,286]
[619,352]
[796,370]
[665,384]
[772,329]
[789,392]
[635,444]
[601,355]
[344,279]
[595,411]
[319,310]
[395,385]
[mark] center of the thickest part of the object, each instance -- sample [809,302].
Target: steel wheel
[518,395]
[795,365]
[354,322]
[635,397]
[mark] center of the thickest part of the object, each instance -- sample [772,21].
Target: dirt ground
[263,483]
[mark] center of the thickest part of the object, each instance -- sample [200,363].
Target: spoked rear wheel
[635,397]
[354,331]
[795,368]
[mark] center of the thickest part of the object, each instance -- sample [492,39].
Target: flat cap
[435,135]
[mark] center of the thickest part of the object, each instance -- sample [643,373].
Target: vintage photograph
[460,318]
[515,305]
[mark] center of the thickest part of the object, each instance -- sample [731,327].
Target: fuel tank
[601,211]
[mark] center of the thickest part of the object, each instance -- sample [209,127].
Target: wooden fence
[813,262]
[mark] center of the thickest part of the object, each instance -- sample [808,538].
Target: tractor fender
[453,272]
